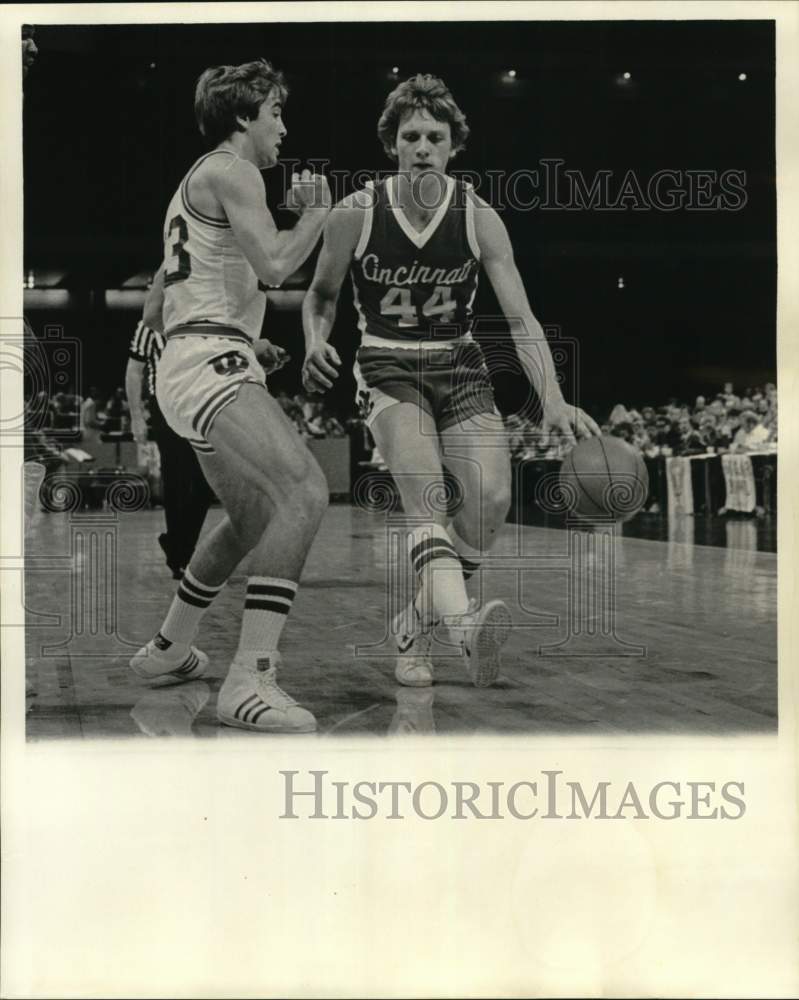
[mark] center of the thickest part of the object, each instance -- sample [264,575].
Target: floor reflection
[170,711]
[414,714]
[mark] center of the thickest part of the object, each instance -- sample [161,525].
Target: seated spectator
[66,415]
[640,435]
[691,441]
[40,413]
[717,408]
[769,420]
[91,421]
[333,427]
[752,435]
[666,436]
[314,420]
[728,425]
[117,412]
[729,397]
[707,429]
[618,415]
[622,429]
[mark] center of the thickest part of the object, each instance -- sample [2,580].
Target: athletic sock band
[191,601]
[266,608]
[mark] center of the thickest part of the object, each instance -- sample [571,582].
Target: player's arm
[342,231]
[134,381]
[273,254]
[528,336]
[153,315]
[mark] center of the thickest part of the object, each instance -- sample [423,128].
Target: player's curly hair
[225,93]
[421,91]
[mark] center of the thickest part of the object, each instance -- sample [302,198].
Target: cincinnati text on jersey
[413,275]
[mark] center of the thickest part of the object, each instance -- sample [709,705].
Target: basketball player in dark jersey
[414,244]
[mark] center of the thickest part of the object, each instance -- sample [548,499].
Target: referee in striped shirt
[187,495]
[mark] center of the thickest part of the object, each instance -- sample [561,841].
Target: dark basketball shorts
[198,376]
[452,384]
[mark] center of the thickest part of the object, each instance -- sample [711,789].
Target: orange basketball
[604,477]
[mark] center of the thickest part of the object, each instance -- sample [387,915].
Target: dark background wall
[109,131]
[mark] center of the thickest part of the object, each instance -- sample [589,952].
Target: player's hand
[320,368]
[270,356]
[138,428]
[570,422]
[308,192]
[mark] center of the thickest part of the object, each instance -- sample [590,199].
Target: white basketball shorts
[197,376]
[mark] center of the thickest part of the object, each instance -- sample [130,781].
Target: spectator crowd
[68,419]
[727,423]
[310,417]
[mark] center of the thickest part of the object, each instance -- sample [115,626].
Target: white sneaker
[251,699]
[173,662]
[414,666]
[483,632]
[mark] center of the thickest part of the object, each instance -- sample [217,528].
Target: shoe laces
[270,691]
[463,620]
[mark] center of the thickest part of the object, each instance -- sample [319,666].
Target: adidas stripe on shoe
[175,663]
[251,698]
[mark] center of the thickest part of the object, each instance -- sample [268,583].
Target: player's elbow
[272,274]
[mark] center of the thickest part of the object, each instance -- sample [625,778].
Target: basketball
[604,477]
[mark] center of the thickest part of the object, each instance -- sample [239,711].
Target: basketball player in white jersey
[414,245]
[221,250]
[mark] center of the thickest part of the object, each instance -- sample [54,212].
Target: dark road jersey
[416,286]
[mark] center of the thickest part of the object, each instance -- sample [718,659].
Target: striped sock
[188,606]
[266,608]
[438,568]
[470,558]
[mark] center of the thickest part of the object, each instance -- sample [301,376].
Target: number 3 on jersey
[397,302]
[178,262]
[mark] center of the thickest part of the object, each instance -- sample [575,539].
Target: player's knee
[311,493]
[497,501]
[249,524]
[478,522]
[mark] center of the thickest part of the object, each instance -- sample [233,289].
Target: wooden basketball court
[610,636]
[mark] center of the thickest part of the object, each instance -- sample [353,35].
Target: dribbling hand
[320,368]
[570,422]
[308,192]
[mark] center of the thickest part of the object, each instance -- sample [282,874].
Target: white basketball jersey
[207,278]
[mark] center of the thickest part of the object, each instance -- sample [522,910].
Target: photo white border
[161,869]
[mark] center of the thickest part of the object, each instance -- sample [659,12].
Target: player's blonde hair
[421,91]
[225,93]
